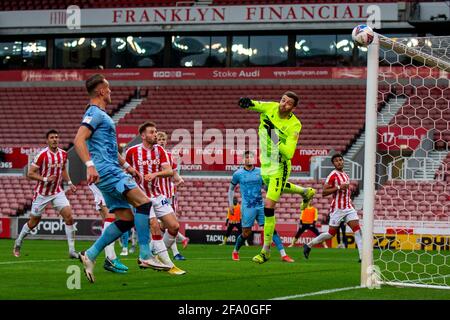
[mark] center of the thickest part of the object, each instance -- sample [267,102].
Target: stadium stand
[16,194]
[38,109]
[213,207]
[217,107]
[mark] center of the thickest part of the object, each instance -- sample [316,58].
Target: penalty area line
[317,293]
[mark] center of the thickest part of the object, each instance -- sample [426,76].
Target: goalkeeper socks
[269,227]
[293,188]
[278,243]
[239,243]
[319,239]
[110,234]
[23,233]
[143,234]
[70,234]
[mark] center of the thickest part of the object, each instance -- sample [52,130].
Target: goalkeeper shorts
[276,182]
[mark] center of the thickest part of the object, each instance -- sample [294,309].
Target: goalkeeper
[278,134]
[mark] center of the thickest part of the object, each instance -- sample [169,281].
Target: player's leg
[171,227]
[26,230]
[160,249]
[353,222]
[302,228]
[163,211]
[248,218]
[62,205]
[124,243]
[335,219]
[275,185]
[66,214]
[338,236]
[112,262]
[280,247]
[343,228]
[133,240]
[307,193]
[37,208]
[227,233]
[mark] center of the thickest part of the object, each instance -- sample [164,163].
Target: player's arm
[231,195]
[33,174]
[83,134]
[287,148]
[258,106]
[128,168]
[66,178]
[165,172]
[177,178]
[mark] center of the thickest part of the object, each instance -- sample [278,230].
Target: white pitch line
[31,261]
[317,293]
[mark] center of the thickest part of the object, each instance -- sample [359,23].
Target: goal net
[408,159]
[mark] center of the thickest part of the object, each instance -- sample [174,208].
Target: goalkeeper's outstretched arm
[258,106]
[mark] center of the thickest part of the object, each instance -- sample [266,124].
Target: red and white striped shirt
[148,161]
[166,183]
[49,164]
[341,198]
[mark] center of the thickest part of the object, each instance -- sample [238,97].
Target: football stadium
[224,150]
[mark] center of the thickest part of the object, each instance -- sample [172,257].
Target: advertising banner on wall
[396,138]
[16,157]
[275,73]
[5,230]
[198,15]
[53,228]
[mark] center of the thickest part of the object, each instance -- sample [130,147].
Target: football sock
[109,249]
[161,250]
[319,239]
[358,240]
[70,234]
[278,243]
[293,188]
[239,242]
[133,237]
[23,233]
[269,227]
[124,239]
[110,234]
[143,234]
[174,248]
[180,237]
[169,239]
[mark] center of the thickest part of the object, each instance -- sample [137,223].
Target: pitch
[41,273]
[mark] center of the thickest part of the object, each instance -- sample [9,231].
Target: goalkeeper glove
[245,103]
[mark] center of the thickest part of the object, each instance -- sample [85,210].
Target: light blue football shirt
[102,144]
[250,182]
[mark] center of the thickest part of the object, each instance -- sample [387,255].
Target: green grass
[40,273]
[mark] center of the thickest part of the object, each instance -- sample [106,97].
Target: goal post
[406,210]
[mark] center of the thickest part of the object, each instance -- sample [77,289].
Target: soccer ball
[362,35]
